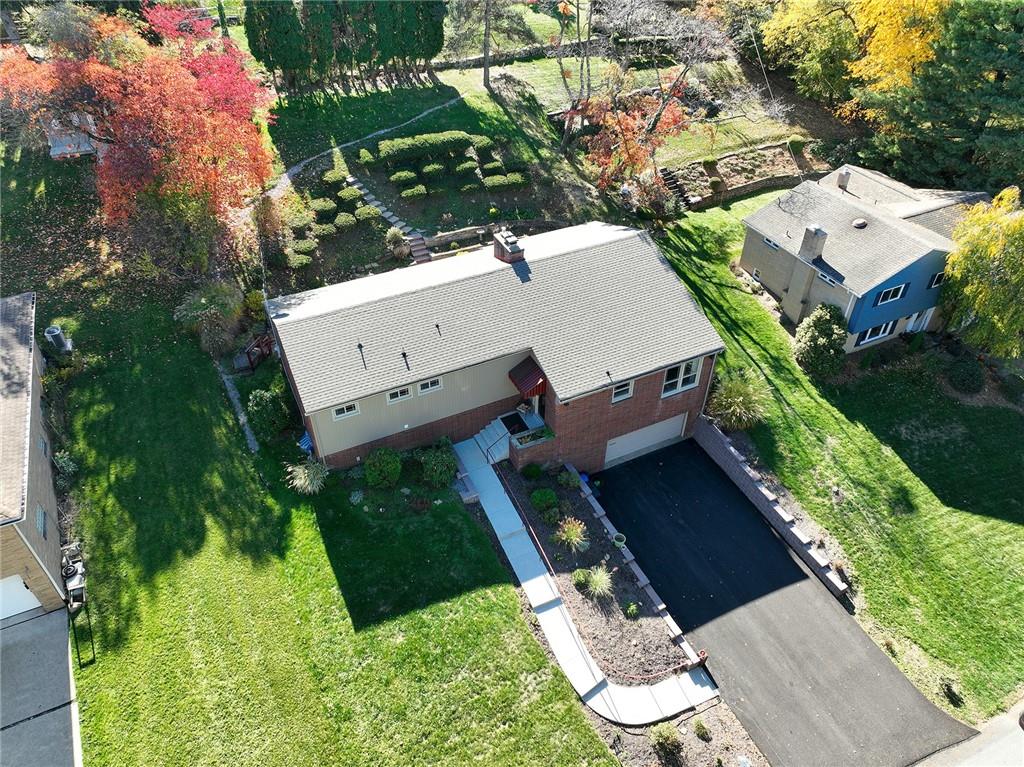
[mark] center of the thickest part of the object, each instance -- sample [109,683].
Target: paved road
[1000,744]
[808,684]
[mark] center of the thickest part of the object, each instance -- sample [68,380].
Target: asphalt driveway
[808,684]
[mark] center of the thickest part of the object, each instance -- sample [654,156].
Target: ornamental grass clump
[580,578]
[665,739]
[740,400]
[599,584]
[572,534]
[308,477]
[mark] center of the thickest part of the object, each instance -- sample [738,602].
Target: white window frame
[885,330]
[431,384]
[41,520]
[756,275]
[889,295]
[44,447]
[825,278]
[399,394]
[937,279]
[348,410]
[771,243]
[682,380]
[620,394]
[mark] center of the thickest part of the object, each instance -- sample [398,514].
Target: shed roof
[596,303]
[17,323]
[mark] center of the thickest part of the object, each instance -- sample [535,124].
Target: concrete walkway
[631,706]
[1000,743]
[236,403]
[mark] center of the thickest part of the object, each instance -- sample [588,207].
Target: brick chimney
[813,243]
[507,247]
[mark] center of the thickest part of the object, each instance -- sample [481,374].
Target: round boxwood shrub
[966,375]
[344,221]
[267,413]
[323,207]
[383,467]
[324,230]
[348,197]
[299,220]
[820,338]
[432,170]
[469,187]
[367,213]
[796,143]
[510,181]
[531,471]
[303,247]
[365,157]
[543,498]
[482,143]
[415,191]
[402,177]
[439,465]
[465,168]
[716,184]
[493,168]
[297,260]
[709,163]
[334,176]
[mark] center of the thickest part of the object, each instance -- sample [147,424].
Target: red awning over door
[528,378]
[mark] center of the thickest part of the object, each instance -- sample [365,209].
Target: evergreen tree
[257,25]
[319,23]
[287,41]
[961,121]
[430,29]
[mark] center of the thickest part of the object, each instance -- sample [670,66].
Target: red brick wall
[457,427]
[539,453]
[584,426]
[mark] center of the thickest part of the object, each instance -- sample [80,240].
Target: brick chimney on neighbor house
[813,243]
[507,247]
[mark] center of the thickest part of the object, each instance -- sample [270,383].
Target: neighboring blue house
[862,241]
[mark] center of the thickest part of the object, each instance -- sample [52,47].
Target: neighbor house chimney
[507,247]
[813,243]
[843,179]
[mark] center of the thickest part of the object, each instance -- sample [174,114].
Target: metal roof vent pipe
[843,179]
[55,335]
[507,247]
[813,243]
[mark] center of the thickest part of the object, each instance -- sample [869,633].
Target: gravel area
[628,650]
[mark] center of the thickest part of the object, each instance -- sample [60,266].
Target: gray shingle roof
[591,301]
[17,322]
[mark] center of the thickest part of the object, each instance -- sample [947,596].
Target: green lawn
[932,512]
[238,623]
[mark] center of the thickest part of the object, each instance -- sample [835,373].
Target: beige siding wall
[821,292]
[775,267]
[462,390]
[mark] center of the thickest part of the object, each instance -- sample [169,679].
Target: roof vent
[507,247]
[859,223]
[843,179]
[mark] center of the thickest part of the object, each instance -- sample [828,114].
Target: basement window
[399,394]
[681,377]
[434,384]
[346,411]
[878,331]
[622,391]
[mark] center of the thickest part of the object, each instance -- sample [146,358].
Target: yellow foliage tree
[897,37]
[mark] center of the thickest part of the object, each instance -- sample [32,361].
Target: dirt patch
[747,166]
[630,650]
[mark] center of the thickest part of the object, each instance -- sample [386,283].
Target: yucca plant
[307,477]
[599,584]
[572,534]
[740,399]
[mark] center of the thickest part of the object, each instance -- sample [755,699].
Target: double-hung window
[937,279]
[622,391]
[346,411]
[681,377]
[878,331]
[425,387]
[41,521]
[891,294]
[399,394]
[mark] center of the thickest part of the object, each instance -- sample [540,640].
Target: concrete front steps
[493,441]
[633,705]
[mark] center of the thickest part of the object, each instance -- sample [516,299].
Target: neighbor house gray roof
[17,321]
[903,224]
[595,303]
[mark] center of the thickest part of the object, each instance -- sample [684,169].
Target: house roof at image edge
[17,321]
[595,303]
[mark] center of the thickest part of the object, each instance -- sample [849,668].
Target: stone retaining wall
[735,465]
[772,182]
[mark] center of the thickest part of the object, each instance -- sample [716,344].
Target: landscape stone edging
[771,182]
[719,448]
[675,633]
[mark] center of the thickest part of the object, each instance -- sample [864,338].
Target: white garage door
[15,597]
[644,440]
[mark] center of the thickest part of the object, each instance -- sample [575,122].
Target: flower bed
[630,650]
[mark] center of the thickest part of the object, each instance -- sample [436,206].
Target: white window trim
[616,397]
[900,290]
[886,329]
[431,389]
[349,414]
[392,400]
[756,275]
[771,243]
[41,520]
[937,279]
[680,386]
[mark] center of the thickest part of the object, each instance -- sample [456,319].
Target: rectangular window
[41,520]
[43,447]
[622,391]
[756,275]
[434,384]
[681,377]
[878,331]
[890,294]
[346,411]
[399,394]
[825,278]
[937,279]
[771,244]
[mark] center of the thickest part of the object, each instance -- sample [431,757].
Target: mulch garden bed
[629,650]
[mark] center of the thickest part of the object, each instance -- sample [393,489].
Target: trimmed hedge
[796,143]
[482,143]
[323,207]
[466,168]
[471,187]
[335,176]
[299,221]
[367,213]
[505,182]
[403,177]
[426,144]
[303,247]
[365,157]
[344,221]
[432,170]
[324,230]
[493,168]
[349,196]
[297,260]
[415,191]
